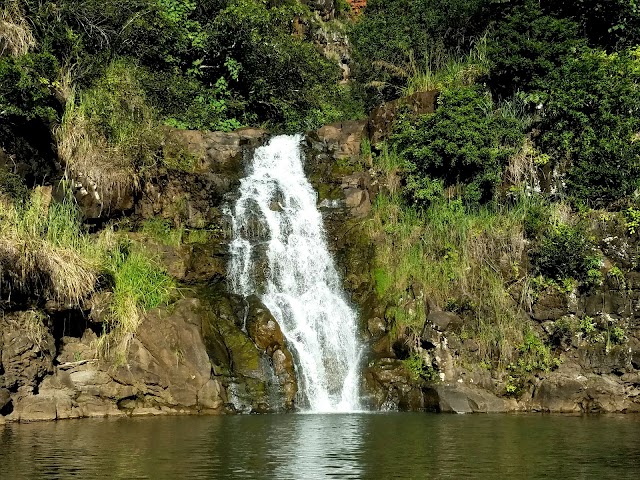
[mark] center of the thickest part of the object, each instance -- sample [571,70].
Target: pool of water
[376,446]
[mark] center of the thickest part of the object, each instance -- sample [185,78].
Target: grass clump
[43,251]
[139,284]
[163,231]
[108,133]
[440,72]
[464,260]
[46,253]
[16,36]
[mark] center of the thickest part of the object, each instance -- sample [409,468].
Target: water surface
[373,446]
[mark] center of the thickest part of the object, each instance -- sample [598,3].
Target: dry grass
[41,254]
[16,37]
[108,133]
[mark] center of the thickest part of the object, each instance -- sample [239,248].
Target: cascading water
[276,219]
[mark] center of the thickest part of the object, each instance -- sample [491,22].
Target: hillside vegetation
[535,141]
[534,146]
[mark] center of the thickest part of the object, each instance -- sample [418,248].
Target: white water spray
[276,219]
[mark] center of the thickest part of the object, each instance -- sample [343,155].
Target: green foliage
[536,219]
[117,110]
[393,32]
[447,72]
[606,23]
[214,65]
[587,325]
[566,252]
[463,143]
[451,253]
[632,220]
[591,120]
[526,46]
[137,280]
[163,231]
[27,87]
[12,186]
[419,370]
[533,356]
[382,281]
[617,336]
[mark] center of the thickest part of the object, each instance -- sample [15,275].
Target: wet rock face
[266,334]
[193,198]
[249,352]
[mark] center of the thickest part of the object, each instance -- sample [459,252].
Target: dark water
[376,446]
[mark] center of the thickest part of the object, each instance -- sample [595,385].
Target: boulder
[168,352]
[564,392]
[27,350]
[550,305]
[391,387]
[341,140]
[465,399]
[444,321]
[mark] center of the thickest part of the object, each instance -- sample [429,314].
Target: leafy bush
[27,87]
[526,46]
[393,33]
[606,23]
[462,143]
[566,252]
[591,122]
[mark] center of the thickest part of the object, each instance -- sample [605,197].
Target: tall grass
[464,261]
[43,252]
[16,36]
[109,132]
[139,284]
[46,253]
[436,71]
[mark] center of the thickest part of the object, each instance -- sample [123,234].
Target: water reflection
[375,446]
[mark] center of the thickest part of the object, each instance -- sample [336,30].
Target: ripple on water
[375,446]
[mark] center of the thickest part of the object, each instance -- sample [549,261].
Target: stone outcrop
[193,198]
[167,370]
[194,356]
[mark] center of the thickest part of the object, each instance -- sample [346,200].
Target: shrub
[526,46]
[26,87]
[591,122]
[610,23]
[392,33]
[566,252]
[463,143]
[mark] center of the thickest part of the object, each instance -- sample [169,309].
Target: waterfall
[279,252]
